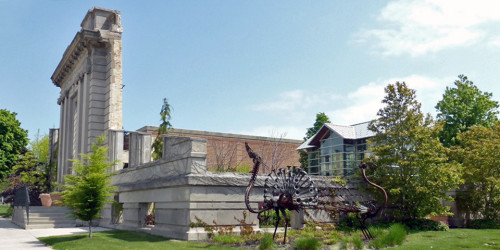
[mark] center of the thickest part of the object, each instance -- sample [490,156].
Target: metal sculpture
[346,200]
[289,188]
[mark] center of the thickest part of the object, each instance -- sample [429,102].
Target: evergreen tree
[88,190]
[321,118]
[162,129]
[412,164]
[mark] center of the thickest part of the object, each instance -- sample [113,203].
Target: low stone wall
[182,190]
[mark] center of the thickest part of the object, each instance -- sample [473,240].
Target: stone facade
[90,77]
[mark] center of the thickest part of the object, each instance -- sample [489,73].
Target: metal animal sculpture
[348,200]
[288,188]
[291,188]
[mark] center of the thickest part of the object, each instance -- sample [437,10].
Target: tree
[478,151]
[321,119]
[13,140]
[40,148]
[462,107]
[88,190]
[412,164]
[163,129]
[27,173]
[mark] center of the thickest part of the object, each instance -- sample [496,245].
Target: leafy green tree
[412,164]
[40,148]
[163,129]
[462,107]
[478,151]
[88,190]
[13,140]
[26,173]
[321,118]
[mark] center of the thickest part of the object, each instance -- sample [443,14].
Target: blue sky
[255,67]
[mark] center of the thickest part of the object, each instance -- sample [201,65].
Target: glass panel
[325,158]
[349,148]
[350,156]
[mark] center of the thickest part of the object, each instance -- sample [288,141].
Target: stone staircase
[50,217]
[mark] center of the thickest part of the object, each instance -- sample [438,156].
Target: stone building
[90,78]
[178,186]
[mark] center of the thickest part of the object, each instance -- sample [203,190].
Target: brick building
[226,149]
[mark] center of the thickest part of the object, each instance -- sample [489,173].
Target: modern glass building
[337,150]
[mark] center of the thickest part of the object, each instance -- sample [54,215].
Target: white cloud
[290,100]
[287,132]
[421,27]
[363,103]
[357,106]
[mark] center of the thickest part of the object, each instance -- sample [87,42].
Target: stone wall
[181,189]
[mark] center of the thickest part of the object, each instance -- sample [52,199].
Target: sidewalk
[14,237]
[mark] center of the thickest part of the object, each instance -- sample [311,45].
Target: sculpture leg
[277,211]
[363,228]
[286,223]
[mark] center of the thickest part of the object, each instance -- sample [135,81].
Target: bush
[349,223]
[353,242]
[425,225]
[485,224]
[228,239]
[395,235]
[270,219]
[308,243]
[266,242]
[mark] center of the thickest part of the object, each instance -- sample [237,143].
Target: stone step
[50,225]
[38,209]
[50,217]
[47,219]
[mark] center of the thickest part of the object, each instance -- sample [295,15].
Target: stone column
[139,149]
[131,215]
[115,148]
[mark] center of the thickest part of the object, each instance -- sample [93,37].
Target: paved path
[14,237]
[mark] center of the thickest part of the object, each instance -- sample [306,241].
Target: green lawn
[5,211]
[117,239]
[454,239]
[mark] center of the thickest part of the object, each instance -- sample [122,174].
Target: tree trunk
[90,228]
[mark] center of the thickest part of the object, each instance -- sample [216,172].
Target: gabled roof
[355,131]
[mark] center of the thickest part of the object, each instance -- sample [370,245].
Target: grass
[5,211]
[396,235]
[117,239]
[454,239]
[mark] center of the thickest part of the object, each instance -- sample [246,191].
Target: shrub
[352,242]
[270,219]
[266,242]
[349,223]
[425,225]
[309,243]
[228,239]
[485,224]
[395,235]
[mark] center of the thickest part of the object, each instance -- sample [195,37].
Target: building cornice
[91,35]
